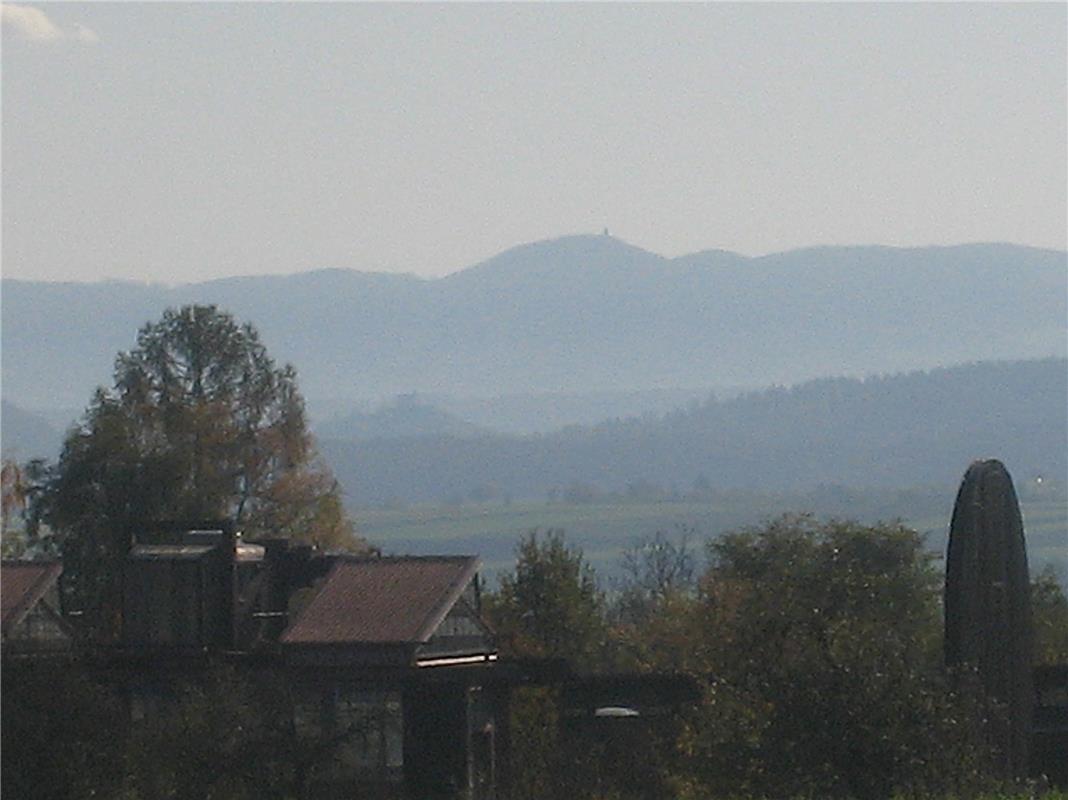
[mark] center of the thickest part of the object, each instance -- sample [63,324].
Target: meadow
[607,525]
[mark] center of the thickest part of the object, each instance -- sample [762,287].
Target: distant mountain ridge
[573,315]
[406,416]
[25,435]
[896,431]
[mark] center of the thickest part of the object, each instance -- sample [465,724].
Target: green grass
[606,527]
[1045,529]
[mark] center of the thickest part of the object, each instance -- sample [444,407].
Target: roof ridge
[357,559]
[49,573]
[455,590]
[392,600]
[317,586]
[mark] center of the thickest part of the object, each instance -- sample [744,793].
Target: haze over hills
[906,430]
[408,415]
[581,314]
[26,435]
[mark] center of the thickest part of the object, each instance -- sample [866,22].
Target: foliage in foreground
[550,606]
[1049,609]
[67,733]
[818,646]
[822,640]
[199,425]
[59,734]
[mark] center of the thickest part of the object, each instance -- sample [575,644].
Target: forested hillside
[914,429]
[580,314]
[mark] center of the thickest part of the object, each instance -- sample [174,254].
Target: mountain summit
[559,257]
[576,314]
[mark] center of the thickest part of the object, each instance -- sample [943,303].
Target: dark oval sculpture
[988,606]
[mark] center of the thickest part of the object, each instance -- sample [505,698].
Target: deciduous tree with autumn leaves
[199,424]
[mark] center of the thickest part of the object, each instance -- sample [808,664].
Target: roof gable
[382,600]
[22,585]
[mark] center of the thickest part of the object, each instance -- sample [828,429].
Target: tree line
[817,646]
[871,433]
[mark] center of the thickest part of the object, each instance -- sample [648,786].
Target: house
[387,657]
[30,621]
[388,676]
[400,652]
[414,611]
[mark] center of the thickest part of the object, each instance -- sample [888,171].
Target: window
[372,730]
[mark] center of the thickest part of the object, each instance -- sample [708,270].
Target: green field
[606,527]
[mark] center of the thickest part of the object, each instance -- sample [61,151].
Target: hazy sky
[179,142]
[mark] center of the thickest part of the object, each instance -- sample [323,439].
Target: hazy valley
[589,384]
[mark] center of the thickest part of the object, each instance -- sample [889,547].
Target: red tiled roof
[22,584]
[383,600]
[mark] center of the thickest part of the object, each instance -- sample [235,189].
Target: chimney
[221,533]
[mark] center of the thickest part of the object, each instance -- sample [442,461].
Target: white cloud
[84,34]
[33,25]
